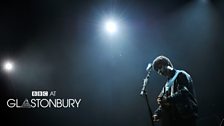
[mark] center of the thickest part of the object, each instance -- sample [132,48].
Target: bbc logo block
[39,93]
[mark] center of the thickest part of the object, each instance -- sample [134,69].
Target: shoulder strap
[170,82]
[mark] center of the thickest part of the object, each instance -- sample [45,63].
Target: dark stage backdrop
[63,48]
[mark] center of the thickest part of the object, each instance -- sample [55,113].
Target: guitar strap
[169,84]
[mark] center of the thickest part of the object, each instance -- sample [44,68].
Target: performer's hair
[161,61]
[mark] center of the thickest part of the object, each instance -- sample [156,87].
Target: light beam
[8,66]
[111,26]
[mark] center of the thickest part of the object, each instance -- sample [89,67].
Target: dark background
[60,46]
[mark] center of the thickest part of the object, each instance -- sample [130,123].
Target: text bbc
[39,93]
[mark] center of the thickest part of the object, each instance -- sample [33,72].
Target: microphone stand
[144,93]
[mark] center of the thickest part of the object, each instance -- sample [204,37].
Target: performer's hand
[159,100]
[162,101]
[155,118]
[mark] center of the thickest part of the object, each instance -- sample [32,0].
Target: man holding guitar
[177,102]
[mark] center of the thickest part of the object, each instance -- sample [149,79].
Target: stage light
[111,26]
[8,66]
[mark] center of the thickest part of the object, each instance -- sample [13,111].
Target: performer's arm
[157,114]
[182,90]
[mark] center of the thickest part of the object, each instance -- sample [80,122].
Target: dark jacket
[181,100]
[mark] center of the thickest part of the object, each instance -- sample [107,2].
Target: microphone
[143,91]
[148,69]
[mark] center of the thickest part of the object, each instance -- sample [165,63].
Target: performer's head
[162,65]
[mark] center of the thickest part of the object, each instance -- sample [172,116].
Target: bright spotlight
[8,66]
[111,26]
